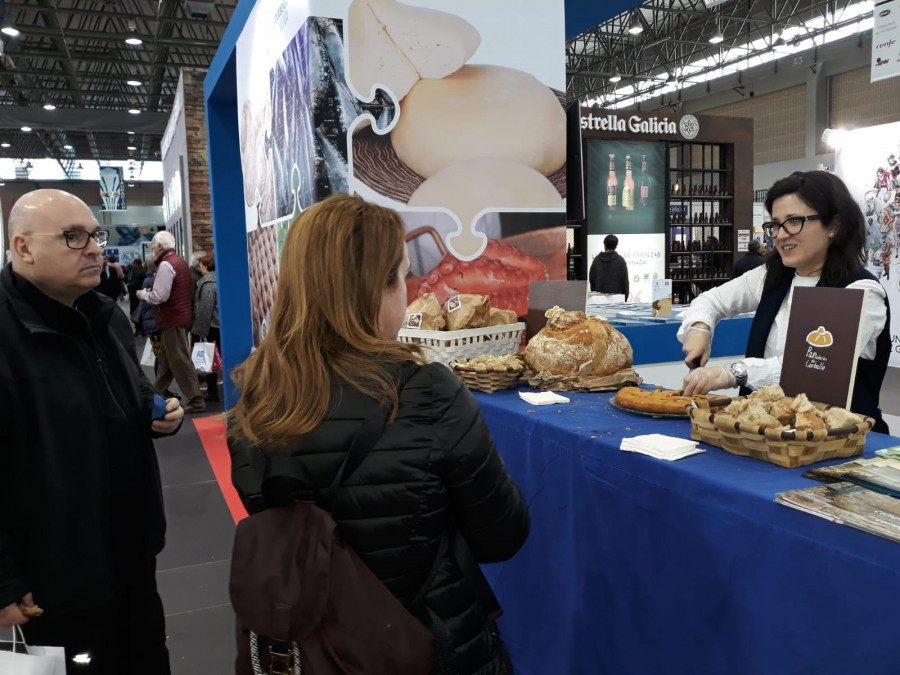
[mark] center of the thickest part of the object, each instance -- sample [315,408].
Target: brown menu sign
[822,344]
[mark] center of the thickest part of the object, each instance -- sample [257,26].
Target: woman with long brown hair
[331,360]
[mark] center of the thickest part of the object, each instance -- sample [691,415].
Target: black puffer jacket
[434,463]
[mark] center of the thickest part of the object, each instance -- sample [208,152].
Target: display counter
[653,338]
[638,565]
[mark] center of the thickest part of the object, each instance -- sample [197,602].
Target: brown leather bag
[303,596]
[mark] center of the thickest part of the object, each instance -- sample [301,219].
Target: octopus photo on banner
[868,164]
[435,113]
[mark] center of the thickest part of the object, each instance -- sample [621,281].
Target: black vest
[869,373]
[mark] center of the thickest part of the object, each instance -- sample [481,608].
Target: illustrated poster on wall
[868,164]
[435,113]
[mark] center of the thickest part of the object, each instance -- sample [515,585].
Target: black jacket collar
[40,313]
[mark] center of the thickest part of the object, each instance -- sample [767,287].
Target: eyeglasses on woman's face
[792,225]
[78,239]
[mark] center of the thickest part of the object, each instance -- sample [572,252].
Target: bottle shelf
[677,224]
[697,169]
[720,250]
[699,198]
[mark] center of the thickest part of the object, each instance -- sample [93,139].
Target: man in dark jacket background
[609,272]
[81,513]
[751,260]
[173,297]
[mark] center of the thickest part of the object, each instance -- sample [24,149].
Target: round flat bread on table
[671,402]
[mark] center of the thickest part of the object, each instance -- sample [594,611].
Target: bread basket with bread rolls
[466,326]
[783,430]
[489,373]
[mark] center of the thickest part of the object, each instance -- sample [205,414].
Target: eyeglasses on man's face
[792,225]
[78,239]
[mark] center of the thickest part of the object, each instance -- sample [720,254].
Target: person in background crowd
[82,516]
[113,261]
[609,272]
[819,233]
[752,259]
[330,361]
[172,296]
[135,283]
[206,317]
[196,273]
[110,284]
[144,318]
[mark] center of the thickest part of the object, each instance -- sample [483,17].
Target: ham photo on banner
[868,161]
[427,108]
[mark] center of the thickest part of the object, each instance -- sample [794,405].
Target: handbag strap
[285,475]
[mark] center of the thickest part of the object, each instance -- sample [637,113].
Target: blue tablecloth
[637,565]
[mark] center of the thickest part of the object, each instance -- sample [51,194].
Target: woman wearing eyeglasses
[818,232]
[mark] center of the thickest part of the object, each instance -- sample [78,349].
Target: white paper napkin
[669,448]
[542,397]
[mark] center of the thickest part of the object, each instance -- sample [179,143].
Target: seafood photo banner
[867,162]
[432,108]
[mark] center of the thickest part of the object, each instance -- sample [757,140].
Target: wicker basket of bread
[787,431]
[465,327]
[489,373]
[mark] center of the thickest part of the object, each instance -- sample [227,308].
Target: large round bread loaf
[572,339]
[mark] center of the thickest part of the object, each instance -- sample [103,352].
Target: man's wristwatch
[739,370]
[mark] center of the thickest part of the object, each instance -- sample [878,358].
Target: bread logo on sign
[460,127]
[820,338]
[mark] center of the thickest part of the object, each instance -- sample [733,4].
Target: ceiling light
[134,41]
[67,147]
[131,133]
[636,28]
[26,129]
[616,76]
[4,145]
[134,83]
[134,111]
[49,106]
[132,147]
[716,37]
[10,30]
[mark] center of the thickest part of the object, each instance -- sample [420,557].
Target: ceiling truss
[72,54]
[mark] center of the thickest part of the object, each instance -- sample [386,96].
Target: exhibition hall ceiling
[663,46]
[83,73]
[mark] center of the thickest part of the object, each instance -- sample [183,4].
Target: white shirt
[743,295]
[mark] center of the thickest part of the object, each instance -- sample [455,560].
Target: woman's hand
[697,345]
[704,380]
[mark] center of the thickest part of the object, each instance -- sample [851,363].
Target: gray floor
[192,570]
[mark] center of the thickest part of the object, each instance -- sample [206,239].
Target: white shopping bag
[148,358]
[202,357]
[30,660]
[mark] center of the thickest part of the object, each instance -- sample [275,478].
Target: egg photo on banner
[464,133]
